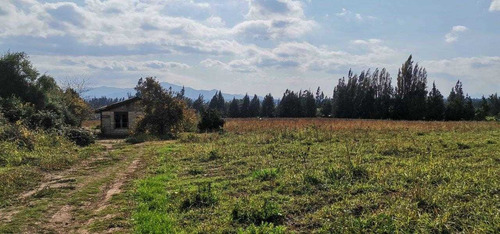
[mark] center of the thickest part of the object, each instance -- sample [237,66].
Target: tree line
[369,95]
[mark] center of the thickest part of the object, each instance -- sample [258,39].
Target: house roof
[117,104]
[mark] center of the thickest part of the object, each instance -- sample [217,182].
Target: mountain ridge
[114,92]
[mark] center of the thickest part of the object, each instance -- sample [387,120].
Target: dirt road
[92,196]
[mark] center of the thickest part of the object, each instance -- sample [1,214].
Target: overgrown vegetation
[320,175]
[39,125]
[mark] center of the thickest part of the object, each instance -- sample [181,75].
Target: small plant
[266,174]
[203,197]
[312,179]
[265,228]
[463,146]
[350,175]
[211,121]
[213,155]
[195,171]
[257,212]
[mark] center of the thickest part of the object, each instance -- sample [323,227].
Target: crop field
[323,175]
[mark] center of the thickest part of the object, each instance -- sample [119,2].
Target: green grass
[318,180]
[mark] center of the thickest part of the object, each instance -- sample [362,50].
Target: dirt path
[86,198]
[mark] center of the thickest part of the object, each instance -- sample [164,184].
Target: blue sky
[256,46]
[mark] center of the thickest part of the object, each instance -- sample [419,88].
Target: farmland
[281,175]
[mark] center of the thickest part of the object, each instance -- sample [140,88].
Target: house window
[121,119]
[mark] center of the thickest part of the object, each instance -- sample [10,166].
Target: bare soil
[79,199]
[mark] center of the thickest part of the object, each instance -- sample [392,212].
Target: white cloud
[274,29]
[215,21]
[474,72]
[352,16]
[273,19]
[265,9]
[106,63]
[453,35]
[495,5]
[303,56]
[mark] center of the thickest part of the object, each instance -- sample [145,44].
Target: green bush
[80,137]
[14,109]
[45,120]
[211,121]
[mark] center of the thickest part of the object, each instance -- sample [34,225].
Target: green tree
[218,103]
[469,110]
[211,120]
[268,106]
[494,102]
[411,92]
[254,107]
[289,106]
[234,110]
[18,78]
[435,104]
[199,104]
[483,110]
[455,103]
[163,113]
[326,108]
[245,107]
[308,104]
[383,93]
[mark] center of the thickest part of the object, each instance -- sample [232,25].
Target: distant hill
[113,92]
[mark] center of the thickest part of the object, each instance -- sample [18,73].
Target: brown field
[250,125]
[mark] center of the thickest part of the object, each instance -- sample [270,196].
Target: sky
[256,46]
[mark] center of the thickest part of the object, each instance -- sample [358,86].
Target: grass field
[310,175]
[266,176]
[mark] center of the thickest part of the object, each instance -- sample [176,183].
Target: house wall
[108,120]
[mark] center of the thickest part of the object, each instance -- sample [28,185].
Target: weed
[265,228]
[204,197]
[195,171]
[463,146]
[266,174]
[256,212]
[350,175]
[212,155]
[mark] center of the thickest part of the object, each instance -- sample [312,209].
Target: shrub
[266,174]
[79,136]
[203,197]
[45,120]
[18,134]
[257,212]
[211,121]
[14,109]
